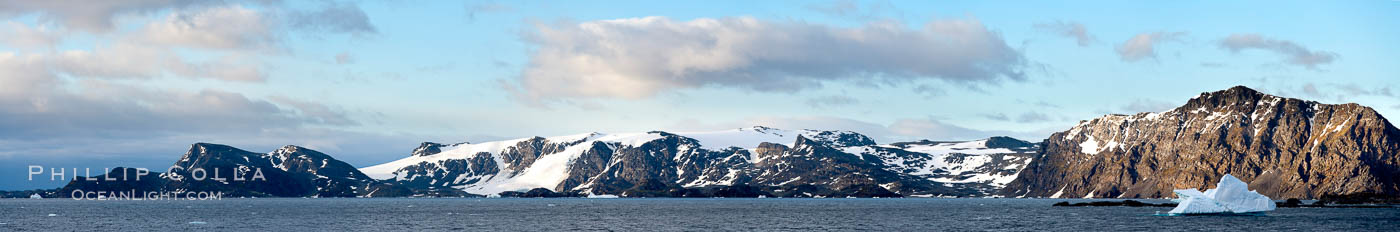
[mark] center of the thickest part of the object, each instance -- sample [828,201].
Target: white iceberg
[1230,196]
[36,196]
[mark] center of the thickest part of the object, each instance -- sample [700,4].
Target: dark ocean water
[650,215]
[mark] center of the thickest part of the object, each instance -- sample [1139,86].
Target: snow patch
[1089,146]
[1058,193]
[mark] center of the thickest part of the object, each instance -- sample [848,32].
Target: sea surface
[501,214]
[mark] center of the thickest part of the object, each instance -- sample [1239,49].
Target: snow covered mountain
[987,164]
[634,163]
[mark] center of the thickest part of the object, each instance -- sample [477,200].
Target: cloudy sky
[94,84]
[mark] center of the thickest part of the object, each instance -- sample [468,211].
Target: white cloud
[19,35]
[995,116]
[144,61]
[1033,117]
[1143,45]
[334,17]
[831,100]
[38,105]
[1294,54]
[344,58]
[103,97]
[223,41]
[72,92]
[87,15]
[1068,29]
[1338,92]
[231,27]
[878,10]
[1148,105]
[473,9]
[235,67]
[230,37]
[100,109]
[317,113]
[23,75]
[640,57]
[121,60]
[49,120]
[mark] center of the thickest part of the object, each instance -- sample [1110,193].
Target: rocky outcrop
[1283,147]
[539,193]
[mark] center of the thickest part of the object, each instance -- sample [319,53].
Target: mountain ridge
[656,163]
[610,164]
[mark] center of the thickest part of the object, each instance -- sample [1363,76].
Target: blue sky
[133,83]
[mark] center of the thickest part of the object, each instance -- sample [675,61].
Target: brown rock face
[1284,147]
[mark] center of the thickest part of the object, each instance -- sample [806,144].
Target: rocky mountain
[670,164]
[117,179]
[1283,147]
[290,171]
[746,162]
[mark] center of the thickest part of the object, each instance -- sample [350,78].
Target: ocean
[658,214]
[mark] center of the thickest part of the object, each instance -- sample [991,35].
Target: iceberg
[1230,196]
[35,196]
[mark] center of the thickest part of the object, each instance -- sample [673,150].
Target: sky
[133,83]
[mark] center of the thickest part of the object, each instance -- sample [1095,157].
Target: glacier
[1230,196]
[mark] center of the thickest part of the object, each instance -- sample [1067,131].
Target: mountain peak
[1234,92]
[201,147]
[1241,89]
[1236,98]
[427,149]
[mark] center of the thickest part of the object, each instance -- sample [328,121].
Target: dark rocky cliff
[1284,148]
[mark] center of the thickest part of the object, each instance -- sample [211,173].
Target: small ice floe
[602,196]
[53,215]
[550,205]
[198,223]
[1230,196]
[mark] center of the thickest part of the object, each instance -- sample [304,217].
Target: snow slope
[962,162]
